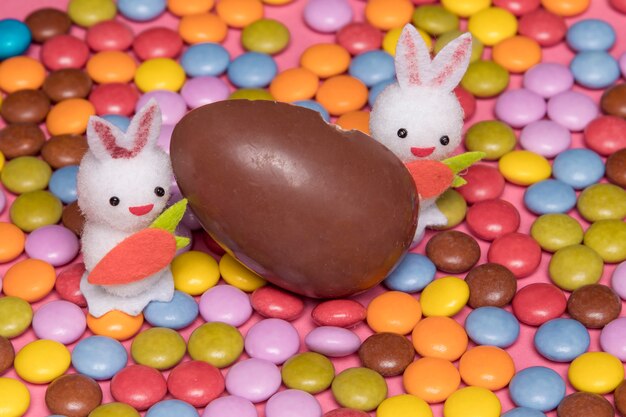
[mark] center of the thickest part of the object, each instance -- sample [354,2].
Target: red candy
[606,134]
[114,98]
[138,386]
[467,100]
[483,183]
[212,245]
[491,219]
[518,7]
[275,303]
[110,35]
[538,303]
[545,27]
[518,252]
[64,51]
[68,284]
[346,412]
[619,5]
[196,382]
[339,313]
[359,37]
[157,43]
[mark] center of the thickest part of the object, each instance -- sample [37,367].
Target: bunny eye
[402,133]
[159,191]
[444,140]
[114,201]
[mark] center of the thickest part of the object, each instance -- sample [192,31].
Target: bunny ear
[102,138]
[451,62]
[412,59]
[145,127]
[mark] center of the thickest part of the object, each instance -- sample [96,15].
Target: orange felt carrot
[431,178]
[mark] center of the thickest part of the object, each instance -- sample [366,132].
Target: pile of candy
[243,348]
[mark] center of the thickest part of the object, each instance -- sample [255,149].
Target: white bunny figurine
[419,117]
[123,185]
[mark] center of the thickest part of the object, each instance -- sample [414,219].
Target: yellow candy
[596,372]
[237,275]
[114,410]
[465,8]
[194,272]
[404,405]
[160,74]
[444,297]
[391,40]
[492,25]
[524,167]
[1,161]
[14,398]
[472,402]
[41,361]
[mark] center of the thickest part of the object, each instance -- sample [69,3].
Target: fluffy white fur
[423,103]
[133,181]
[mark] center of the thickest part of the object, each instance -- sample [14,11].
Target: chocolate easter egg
[312,208]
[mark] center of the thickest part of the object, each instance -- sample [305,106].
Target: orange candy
[11,242]
[111,67]
[294,84]
[439,337]
[69,117]
[394,312]
[187,7]
[517,54]
[239,13]
[388,14]
[21,72]
[326,59]
[30,279]
[342,94]
[566,8]
[487,366]
[115,324]
[203,27]
[355,120]
[431,379]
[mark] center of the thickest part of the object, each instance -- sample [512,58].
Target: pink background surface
[522,351]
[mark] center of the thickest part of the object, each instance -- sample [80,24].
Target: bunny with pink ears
[123,185]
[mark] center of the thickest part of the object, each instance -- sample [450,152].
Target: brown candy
[21,140]
[594,305]
[452,251]
[25,106]
[7,354]
[73,395]
[316,210]
[585,404]
[67,83]
[63,150]
[491,284]
[613,100]
[387,353]
[619,397]
[73,218]
[47,23]
[616,167]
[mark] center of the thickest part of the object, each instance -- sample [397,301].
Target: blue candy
[63,183]
[373,67]
[119,121]
[252,70]
[99,357]
[176,314]
[378,88]
[492,326]
[141,10]
[205,59]
[413,273]
[595,69]
[314,105]
[579,168]
[537,387]
[550,196]
[523,412]
[169,408]
[562,340]
[590,35]
[15,38]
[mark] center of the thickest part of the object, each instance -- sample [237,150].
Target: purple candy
[54,244]
[173,106]
[189,218]
[204,90]
[59,320]
[230,406]
[273,340]
[545,137]
[293,402]
[253,379]
[613,338]
[572,109]
[618,280]
[332,341]
[183,231]
[227,304]
[165,137]
[622,64]
[3,201]
[548,79]
[520,107]
[327,16]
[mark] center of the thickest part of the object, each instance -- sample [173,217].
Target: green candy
[251,94]
[15,316]
[453,206]
[219,344]
[434,19]
[448,36]
[575,266]
[485,79]
[308,371]
[555,231]
[24,174]
[602,202]
[89,12]
[359,388]
[158,348]
[35,209]
[267,36]
[492,137]
[608,238]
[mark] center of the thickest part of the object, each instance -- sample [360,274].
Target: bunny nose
[141,210]
[422,152]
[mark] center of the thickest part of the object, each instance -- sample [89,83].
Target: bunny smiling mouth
[141,210]
[422,152]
